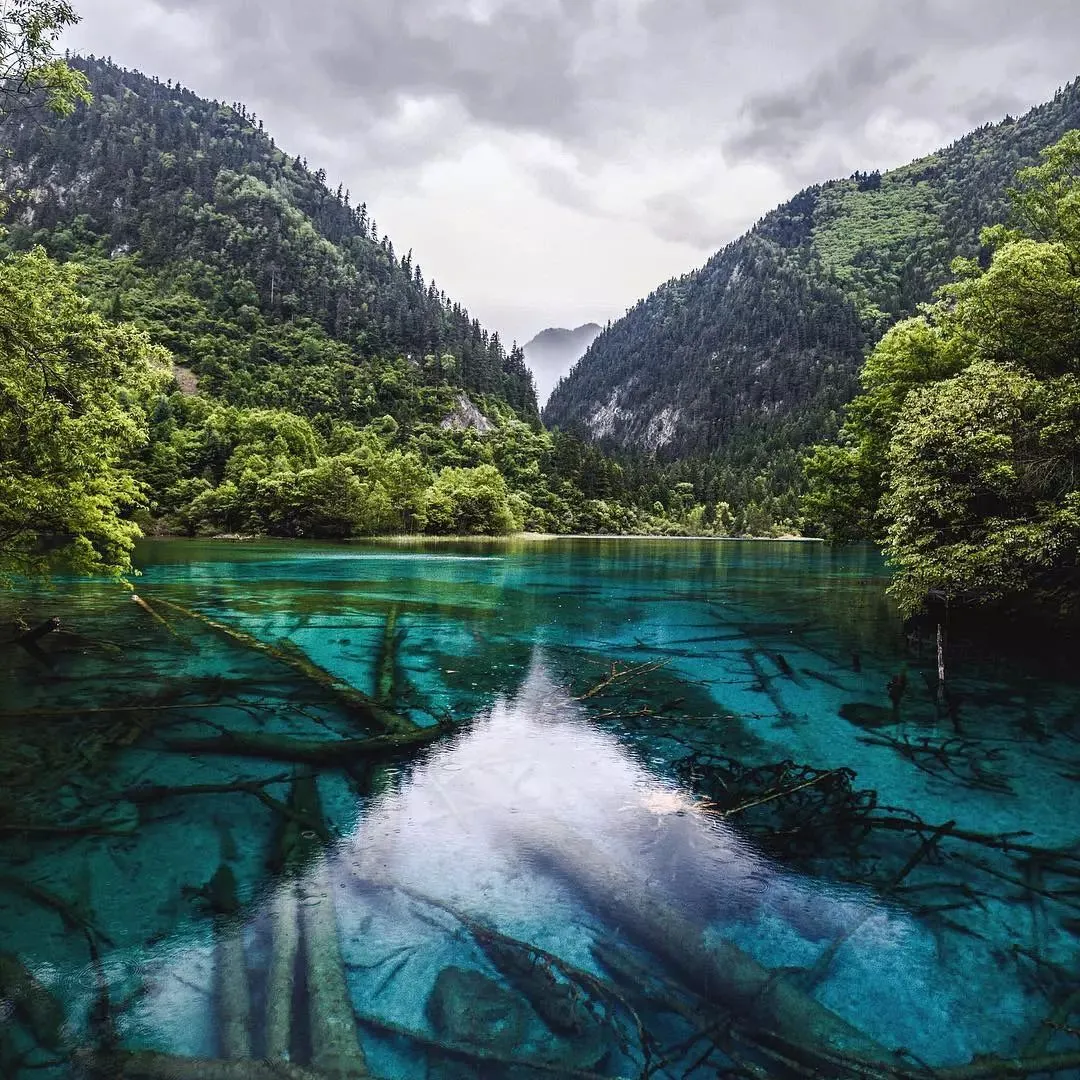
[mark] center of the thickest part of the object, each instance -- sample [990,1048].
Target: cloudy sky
[551,161]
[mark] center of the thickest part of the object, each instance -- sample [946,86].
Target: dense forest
[306,380]
[726,374]
[199,337]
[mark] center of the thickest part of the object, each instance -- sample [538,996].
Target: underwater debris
[335,1048]
[328,752]
[475,1054]
[232,989]
[71,916]
[863,714]
[34,633]
[30,1001]
[795,812]
[962,759]
[619,673]
[723,974]
[151,1065]
[467,1007]
[386,661]
[304,923]
[575,1006]
[145,606]
[369,712]
[897,687]
[146,793]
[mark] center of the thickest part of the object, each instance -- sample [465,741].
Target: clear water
[574,806]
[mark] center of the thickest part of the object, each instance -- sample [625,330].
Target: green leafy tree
[848,478]
[964,449]
[72,394]
[470,501]
[984,498]
[30,71]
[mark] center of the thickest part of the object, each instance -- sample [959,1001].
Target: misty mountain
[554,351]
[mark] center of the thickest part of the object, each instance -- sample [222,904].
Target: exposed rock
[661,428]
[464,416]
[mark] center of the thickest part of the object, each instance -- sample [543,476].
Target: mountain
[734,368]
[233,249]
[321,387]
[552,353]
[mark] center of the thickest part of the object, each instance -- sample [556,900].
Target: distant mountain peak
[555,350]
[559,334]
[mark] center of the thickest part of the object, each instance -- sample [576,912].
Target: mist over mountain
[554,351]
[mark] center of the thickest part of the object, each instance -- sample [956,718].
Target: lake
[525,808]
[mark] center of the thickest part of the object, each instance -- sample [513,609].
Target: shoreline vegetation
[961,456]
[422,538]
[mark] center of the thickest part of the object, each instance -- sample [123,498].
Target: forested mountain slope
[321,387]
[272,288]
[750,358]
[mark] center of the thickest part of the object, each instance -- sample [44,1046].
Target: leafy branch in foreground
[30,71]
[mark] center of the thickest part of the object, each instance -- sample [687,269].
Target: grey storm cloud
[510,65]
[763,78]
[779,122]
[649,131]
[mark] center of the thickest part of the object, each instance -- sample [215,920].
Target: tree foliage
[30,71]
[72,394]
[963,451]
[237,245]
[297,334]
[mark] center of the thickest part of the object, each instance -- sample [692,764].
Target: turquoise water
[630,845]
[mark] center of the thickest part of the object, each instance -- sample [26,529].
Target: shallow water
[589,798]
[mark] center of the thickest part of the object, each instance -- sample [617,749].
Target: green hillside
[322,386]
[730,371]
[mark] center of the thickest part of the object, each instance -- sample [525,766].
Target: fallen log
[824,961]
[234,994]
[566,1008]
[41,828]
[360,705]
[303,921]
[141,603]
[1006,842]
[292,849]
[1057,1019]
[231,987]
[335,1048]
[70,915]
[474,1053]
[387,659]
[285,946]
[35,633]
[722,974]
[991,1068]
[151,1065]
[326,752]
[35,1005]
[156,793]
